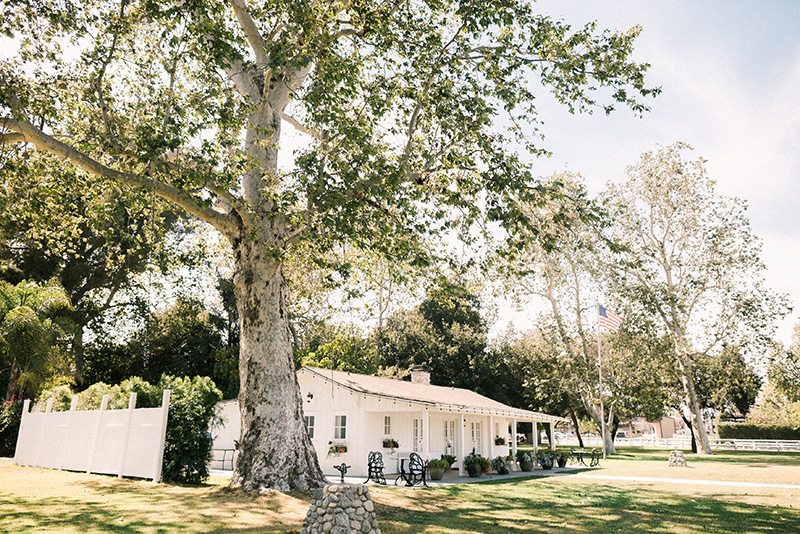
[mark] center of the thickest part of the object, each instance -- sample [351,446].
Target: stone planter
[474,470]
[526,466]
[546,463]
[436,473]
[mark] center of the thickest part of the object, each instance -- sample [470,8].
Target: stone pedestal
[341,509]
[677,459]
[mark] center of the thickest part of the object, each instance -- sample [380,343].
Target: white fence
[686,443]
[126,442]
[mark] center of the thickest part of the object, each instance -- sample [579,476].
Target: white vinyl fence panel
[126,442]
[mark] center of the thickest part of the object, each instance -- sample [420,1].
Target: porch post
[535,425]
[461,424]
[426,435]
[552,435]
[491,438]
[514,438]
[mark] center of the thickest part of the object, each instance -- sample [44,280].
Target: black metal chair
[375,468]
[595,458]
[415,473]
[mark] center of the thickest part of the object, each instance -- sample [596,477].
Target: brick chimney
[420,374]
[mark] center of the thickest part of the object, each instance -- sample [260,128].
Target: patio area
[450,477]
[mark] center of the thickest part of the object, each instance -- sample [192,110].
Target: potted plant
[499,440]
[501,465]
[562,455]
[389,443]
[336,448]
[525,460]
[450,459]
[436,469]
[486,465]
[545,457]
[472,464]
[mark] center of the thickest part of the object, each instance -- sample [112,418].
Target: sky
[730,78]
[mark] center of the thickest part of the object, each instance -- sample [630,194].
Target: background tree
[187,100]
[690,261]
[29,329]
[94,239]
[185,339]
[445,332]
[563,271]
[341,350]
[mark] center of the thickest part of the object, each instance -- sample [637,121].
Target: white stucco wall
[365,427]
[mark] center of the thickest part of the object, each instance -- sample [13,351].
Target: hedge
[187,449]
[10,415]
[751,431]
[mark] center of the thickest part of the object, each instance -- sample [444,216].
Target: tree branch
[30,134]
[301,128]
[254,37]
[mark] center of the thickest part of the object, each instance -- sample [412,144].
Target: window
[340,427]
[387,425]
[310,425]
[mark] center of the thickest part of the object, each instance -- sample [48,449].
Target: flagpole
[600,369]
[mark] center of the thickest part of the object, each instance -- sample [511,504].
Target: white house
[354,413]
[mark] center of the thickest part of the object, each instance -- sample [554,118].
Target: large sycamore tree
[690,262]
[187,100]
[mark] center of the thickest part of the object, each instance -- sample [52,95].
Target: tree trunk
[697,426]
[13,378]
[78,355]
[575,424]
[691,432]
[274,448]
[595,415]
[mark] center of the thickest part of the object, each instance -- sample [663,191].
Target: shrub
[501,464]
[449,458]
[752,431]
[472,458]
[61,395]
[441,464]
[187,451]
[187,448]
[10,416]
[486,465]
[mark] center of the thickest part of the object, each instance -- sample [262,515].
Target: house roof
[425,394]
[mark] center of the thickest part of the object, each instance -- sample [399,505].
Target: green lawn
[37,500]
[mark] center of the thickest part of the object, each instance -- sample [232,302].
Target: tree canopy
[187,100]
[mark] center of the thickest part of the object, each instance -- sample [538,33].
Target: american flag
[609,319]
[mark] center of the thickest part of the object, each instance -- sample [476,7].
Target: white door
[417,434]
[476,436]
[450,437]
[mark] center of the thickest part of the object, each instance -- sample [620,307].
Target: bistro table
[577,456]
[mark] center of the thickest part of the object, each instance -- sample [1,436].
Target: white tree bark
[274,448]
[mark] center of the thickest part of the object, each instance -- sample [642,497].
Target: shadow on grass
[132,507]
[542,506]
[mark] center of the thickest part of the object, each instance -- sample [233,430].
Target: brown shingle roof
[435,396]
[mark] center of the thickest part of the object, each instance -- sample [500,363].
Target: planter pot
[502,471]
[526,466]
[561,462]
[436,473]
[546,464]
[474,470]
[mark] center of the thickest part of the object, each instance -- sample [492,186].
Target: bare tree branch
[302,128]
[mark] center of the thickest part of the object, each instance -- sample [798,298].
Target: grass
[38,500]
